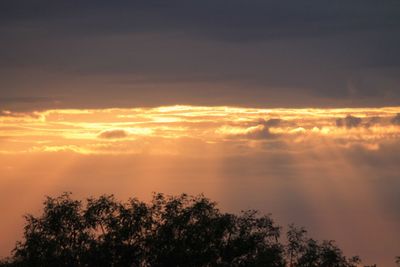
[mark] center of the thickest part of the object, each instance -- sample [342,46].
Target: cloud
[231,20]
[7,113]
[396,119]
[373,121]
[260,132]
[14,114]
[254,132]
[26,103]
[348,122]
[273,122]
[113,134]
[27,100]
[165,128]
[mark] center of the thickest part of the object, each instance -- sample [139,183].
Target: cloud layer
[159,130]
[97,54]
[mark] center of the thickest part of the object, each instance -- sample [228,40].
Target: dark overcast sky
[286,53]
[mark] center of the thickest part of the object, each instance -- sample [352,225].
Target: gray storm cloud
[95,54]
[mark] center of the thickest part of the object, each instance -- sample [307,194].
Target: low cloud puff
[273,122]
[259,132]
[373,121]
[348,122]
[113,134]
[396,119]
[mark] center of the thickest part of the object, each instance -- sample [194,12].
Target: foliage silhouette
[169,231]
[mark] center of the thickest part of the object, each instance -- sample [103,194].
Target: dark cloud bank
[248,53]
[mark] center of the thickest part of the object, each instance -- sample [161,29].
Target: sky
[288,107]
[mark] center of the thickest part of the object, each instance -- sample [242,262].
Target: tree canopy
[169,231]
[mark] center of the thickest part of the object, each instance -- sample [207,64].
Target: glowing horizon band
[133,130]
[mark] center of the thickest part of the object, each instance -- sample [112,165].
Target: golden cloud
[166,129]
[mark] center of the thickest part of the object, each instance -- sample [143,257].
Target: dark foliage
[169,231]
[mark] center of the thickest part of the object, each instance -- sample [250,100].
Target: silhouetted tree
[306,252]
[169,231]
[296,244]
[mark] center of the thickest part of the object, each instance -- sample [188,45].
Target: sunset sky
[289,107]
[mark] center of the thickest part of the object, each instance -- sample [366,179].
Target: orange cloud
[164,129]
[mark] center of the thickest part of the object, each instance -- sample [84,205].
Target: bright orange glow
[332,170]
[155,130]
